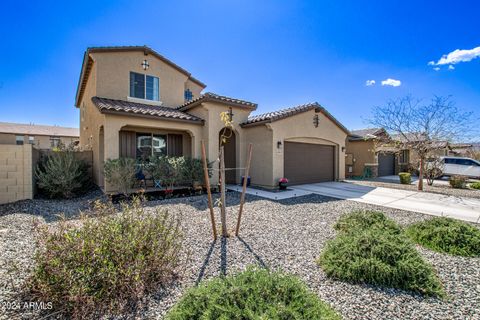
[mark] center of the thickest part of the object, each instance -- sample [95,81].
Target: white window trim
[145,101]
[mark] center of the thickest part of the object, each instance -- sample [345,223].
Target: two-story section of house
[136,103]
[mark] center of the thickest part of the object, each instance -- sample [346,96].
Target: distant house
[133,102]
[40,136]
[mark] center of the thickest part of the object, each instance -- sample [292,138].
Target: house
[134,102]
[40,136]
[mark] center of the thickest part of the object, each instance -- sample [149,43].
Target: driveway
[461,208]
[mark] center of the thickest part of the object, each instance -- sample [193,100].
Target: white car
[461,166]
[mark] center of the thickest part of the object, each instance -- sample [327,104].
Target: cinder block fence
[16,172]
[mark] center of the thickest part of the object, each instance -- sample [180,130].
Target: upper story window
[55,142]
[31,139]
[19,140]
[188,95]
[143,86]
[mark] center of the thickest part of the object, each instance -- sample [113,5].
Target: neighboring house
[460,149]
[135,103]
[40,136]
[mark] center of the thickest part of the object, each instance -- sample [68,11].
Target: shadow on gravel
[257,257]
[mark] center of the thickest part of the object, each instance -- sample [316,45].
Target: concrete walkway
[467,209]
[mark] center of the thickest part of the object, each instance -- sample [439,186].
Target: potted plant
[282,183]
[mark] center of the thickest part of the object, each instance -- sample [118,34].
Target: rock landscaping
[286,235]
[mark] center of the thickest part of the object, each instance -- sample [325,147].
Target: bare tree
[422,127]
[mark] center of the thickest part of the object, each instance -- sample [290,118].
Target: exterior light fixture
[279,144]
[230,114]
[343,149]
[315,120]
[145,64]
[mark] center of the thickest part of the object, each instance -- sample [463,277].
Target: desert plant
[458,181]
[447,235]
[192,171]
[433,169]
[121,173]
[164,169]
[108,263]
[378,255]
[252,294]
[475,185]
[61,174]
[405,177]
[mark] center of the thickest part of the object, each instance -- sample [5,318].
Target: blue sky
[275,53]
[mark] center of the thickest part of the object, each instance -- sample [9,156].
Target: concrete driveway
[466,209]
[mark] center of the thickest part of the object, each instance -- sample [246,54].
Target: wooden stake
[209,192]
[244,189]
[223,215]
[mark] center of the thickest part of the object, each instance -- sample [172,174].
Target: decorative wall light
[230,114]
[279,144]
[343,149]
[315,120]
[145,64]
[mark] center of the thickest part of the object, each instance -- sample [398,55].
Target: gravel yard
[287,235]
[436,188]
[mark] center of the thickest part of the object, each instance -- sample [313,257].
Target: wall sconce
[279,144]
[315,120]
[343,149]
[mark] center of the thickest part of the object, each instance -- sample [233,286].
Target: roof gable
[212,97]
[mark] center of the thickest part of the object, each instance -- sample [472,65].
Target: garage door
[309,163]
[386,164]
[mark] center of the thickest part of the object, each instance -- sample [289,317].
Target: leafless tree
[423,126]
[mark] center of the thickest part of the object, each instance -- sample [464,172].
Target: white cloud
[457,56]
[450,67]
[369,83]
[391,82]
[436,68]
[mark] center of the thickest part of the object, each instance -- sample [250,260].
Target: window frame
[31,139]
[19,140]
[404,156]
[145,77]
[52,139]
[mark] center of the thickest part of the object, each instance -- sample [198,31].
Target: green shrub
[120,173]
[458,181]
[377,255]
[361,220]
[447,235]
[165,169]
[405,177]
[107,264]
[62,175]
[253,294]
[475,185]
[192,171]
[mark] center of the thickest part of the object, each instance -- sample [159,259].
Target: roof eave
[149,116]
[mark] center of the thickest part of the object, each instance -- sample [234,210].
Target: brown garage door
[309,163]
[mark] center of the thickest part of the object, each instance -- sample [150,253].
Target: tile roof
[366,132]
[139,109]
[288,112]
[210,96]
[36,129]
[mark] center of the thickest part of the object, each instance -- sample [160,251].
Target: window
[404,156]
[144,86]
[31,140]
[19,140]
[188,95]
[150,145]
[54,142]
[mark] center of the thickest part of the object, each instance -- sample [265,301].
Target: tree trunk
[223,215]
[420,174]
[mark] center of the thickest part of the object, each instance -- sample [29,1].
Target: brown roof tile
[139,109]
[209,96]
[36,129]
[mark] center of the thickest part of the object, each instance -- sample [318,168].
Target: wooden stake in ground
[244,188]
[223,215]
[209,191]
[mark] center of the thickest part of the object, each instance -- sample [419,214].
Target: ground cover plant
[252,294]
[371,249]
[61,175]
[108,263]
[475,185]
[447,235]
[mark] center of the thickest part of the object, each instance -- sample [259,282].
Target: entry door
[386,164]
[230,157]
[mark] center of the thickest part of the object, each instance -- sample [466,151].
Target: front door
[230,156]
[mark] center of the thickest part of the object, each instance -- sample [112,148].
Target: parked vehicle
[460,166]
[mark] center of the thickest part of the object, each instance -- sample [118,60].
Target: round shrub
[120,173]
[458,181]
[405,177]
[252,294]
[361,220]
[447,235]
[108,263]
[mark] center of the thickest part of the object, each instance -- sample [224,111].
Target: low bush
[475,185]
[108,263]
[120,173]
[378,255]
[253,294]
[61,175]
[458,182]
[447,235]
[405,177]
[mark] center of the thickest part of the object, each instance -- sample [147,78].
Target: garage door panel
[386,164]
[309,163]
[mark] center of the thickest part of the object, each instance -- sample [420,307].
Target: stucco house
[134,102]
[40,136]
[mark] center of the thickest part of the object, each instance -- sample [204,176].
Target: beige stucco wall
[300,128]
[16,172]
[363,152]
[261,137]
[113,76]
[41,142]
